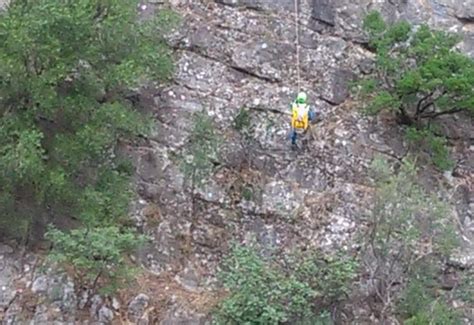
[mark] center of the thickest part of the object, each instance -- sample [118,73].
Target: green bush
[436,313]
[64,73]
[418,72]
[96,254]
[265,292]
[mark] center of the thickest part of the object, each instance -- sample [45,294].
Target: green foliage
[329,275]
[465,289]
[95,254]
[432,312]
[323,319]
[419,75]
[64,70]
[201,151]
[436,146]
[265,292]
[374,24]
[243,124]
[419,292]
[383,100]
[417,71]
[404,218]
[242,120]
[402,204]
[247,193]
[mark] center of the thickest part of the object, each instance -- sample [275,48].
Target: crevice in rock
[230,66]
[325,23]
[328,101]
[239,6]
[253,74]
[196,50]
[363,44]
[465,20]
[387,153]
[267,110]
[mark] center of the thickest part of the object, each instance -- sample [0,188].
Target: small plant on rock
[200,153]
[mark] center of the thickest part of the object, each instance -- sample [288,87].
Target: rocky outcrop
[234,54]
[241,54]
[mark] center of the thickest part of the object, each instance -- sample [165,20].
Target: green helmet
[301,98]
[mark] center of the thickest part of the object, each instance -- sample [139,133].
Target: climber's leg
[294,135]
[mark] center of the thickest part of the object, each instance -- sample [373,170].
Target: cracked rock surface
[234,54]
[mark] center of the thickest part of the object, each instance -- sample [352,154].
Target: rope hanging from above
[297,30]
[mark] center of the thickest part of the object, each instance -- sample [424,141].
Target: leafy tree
[267,292]
[95,254]
[407,225]
[200,154]
[65,67]
[418,73]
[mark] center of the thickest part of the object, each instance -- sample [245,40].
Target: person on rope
[301,115]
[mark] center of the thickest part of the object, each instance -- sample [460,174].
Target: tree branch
[425,107]
[434,115]
[418,106]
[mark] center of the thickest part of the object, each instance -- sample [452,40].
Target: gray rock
[57,290]
[95,305]
[136,309]
[260,4]
[115,304]
[465,10]
[40,285]
[5,249]
[366,66]
[282,199]
[7,276]
[3,3]
[189,279]
[324,11]
[41,315]
[179,315]
[336,89]
[105,315]
[261,60]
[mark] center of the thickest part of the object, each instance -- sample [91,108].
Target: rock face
[323,10]
[137,309]
[234,54]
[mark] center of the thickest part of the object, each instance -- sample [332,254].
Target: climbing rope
[297,30]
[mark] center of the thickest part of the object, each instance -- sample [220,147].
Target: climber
[301,115]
